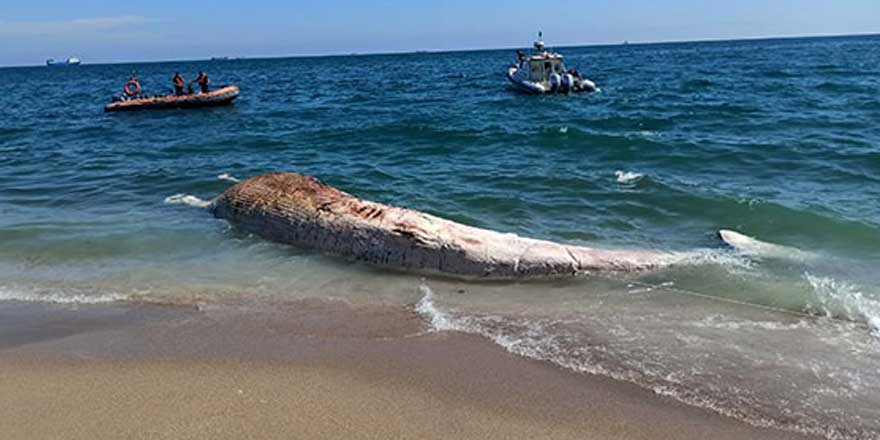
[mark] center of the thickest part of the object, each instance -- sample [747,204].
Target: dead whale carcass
[300,210]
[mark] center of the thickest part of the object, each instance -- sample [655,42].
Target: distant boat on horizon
[72,61]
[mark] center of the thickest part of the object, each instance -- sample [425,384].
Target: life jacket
[178,81]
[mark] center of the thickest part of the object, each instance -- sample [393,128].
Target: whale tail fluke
[189,200]
[754,247]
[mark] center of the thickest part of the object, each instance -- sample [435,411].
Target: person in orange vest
[178,84]
[203,82]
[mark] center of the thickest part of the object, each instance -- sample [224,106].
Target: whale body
[300,210]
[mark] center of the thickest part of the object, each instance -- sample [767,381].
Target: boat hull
[217,98]
[524,86]
[532,88]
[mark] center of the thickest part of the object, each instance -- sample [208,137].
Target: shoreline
[310,368]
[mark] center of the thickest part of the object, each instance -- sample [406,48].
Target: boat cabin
[541,66]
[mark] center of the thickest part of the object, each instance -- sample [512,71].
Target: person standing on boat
[178,84]
[520,57]
[203,82]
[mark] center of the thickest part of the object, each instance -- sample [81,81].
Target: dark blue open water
[778,140]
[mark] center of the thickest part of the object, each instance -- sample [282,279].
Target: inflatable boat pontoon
[544,72]
[221,96]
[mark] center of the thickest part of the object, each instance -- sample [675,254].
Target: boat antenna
[539,45]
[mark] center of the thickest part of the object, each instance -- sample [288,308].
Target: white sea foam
[722,322]
[534,340]
[56,296]
[628,177]
[835,298]
[186,199]
[548,340]
[563,130]
[726,259]
[228,177]
[440,321]
[874,323]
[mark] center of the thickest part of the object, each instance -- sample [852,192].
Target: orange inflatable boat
[222,96]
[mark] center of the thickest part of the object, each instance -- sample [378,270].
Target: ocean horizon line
[466,50]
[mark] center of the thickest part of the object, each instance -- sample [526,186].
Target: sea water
[777,140]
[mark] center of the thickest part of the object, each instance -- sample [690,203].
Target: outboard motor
[555,81]
[567,82]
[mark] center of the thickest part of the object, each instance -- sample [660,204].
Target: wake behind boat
[544,72]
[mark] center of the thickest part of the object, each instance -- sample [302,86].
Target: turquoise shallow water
[776,139]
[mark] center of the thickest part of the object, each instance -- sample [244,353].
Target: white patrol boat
[544,72]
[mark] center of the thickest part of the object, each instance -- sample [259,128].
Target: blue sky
[108,31]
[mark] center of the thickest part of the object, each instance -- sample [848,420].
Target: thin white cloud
[68,27]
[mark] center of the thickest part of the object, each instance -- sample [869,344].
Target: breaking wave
[425,307]
[628,177]
[561,342]
[835,298]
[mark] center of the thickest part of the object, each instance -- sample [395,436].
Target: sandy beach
[309,369]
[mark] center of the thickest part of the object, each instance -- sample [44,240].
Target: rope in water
[730,300]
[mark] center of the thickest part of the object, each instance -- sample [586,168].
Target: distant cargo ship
[68,62]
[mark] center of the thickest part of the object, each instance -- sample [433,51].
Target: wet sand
[309,369]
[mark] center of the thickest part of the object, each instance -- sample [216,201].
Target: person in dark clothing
[520,57]
[178,84]
[203,82]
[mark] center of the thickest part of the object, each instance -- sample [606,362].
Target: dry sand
[304,370]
